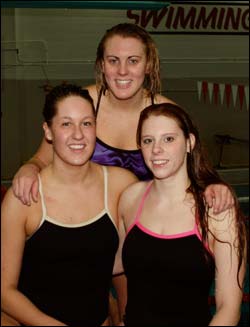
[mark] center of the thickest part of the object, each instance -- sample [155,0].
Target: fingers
[219,197]
[22,188]
[224,201]
[25,192]
[209,198]
[217,202]
[15,187]
[34,191]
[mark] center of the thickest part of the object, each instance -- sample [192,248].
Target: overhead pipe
[127,5]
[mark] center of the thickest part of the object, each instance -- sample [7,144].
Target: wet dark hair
[152,81]
[200,172]
[60,92]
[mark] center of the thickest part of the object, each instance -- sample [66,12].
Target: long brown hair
[201,173]
[152,82]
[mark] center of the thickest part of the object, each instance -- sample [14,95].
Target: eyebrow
[68,117]
[165,134]
[137,56]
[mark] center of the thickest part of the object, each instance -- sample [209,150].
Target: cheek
[140,72]
[181,153]
[59,138]
[107,69]
[90,134]
[146,152]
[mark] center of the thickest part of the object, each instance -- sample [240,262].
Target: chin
[78,164]
[78,161]
[160,174]
[123,94]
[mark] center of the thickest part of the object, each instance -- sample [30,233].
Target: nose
[123,69]
[78,133]
[157,147]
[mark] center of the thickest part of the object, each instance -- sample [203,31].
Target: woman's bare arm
[13,236]
[25,181]
[228,294]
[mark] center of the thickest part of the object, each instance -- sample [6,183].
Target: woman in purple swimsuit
[128,80]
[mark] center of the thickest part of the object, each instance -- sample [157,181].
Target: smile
[159,162]
[123,82]
[77,146]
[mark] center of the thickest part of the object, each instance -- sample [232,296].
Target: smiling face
[72,131]
[124,66]
[164,146]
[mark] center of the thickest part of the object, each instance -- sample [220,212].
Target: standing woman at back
[127,80]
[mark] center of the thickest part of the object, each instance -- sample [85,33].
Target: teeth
[159,162]
[123,82]
[76,146]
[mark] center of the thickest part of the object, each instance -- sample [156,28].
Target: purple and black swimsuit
[105,154]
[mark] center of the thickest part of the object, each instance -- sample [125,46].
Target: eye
[88,123]
[147,141]
[112,61]
[133,61]
[66,123]
[168,139]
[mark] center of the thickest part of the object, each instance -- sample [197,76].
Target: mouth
[160,163]
[122,82]
[77,146]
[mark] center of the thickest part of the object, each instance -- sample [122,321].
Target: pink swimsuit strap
[139,210]
[195,230]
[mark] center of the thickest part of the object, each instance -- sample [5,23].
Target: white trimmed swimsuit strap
[44,213]
[105,174]
[106,208]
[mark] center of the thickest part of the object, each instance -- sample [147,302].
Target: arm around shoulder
[229,280]
[25,181]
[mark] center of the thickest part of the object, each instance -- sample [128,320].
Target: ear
[102,66]
[148,68]
[190,142]
[47,132]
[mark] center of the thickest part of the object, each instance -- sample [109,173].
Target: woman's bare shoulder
[121,175]
[162,99]
[134,190]
[92,90]
[129,201]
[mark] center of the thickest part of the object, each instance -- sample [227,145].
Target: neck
[175,188]
[70,175]
[136,103]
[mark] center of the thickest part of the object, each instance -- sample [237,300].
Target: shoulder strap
[105,175]
[42,198]
[98,101]
[139,211]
